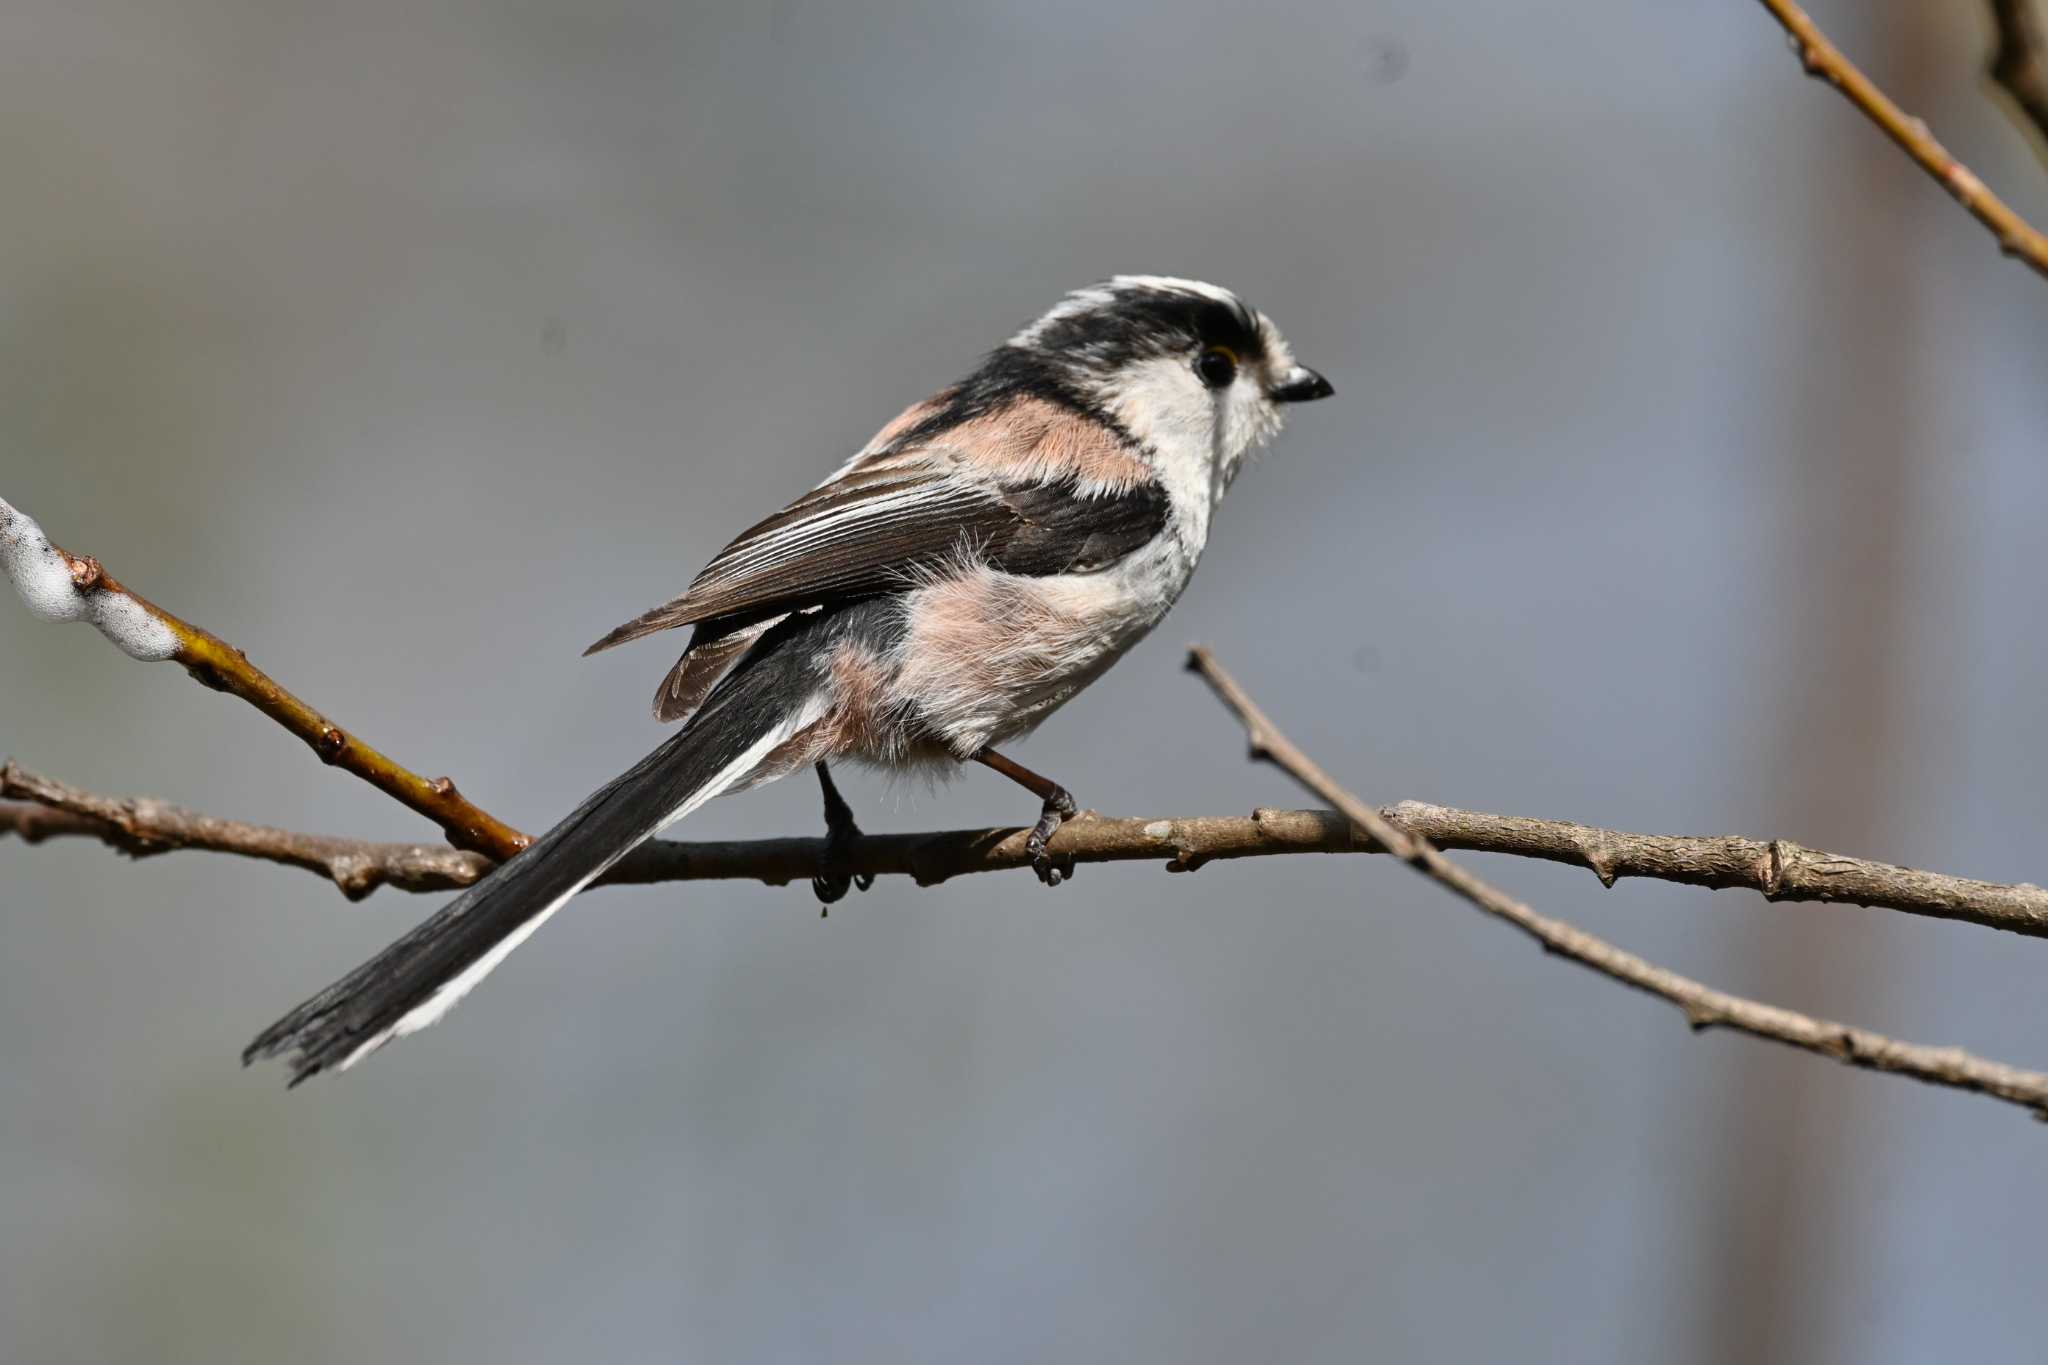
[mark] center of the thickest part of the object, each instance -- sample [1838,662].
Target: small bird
[987,555]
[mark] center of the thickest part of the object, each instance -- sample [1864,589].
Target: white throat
[1197,440]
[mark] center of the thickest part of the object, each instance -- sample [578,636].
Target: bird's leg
[1059,806]
[840,834]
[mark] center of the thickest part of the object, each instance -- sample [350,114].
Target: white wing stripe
[803,538]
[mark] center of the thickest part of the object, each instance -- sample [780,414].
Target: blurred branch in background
[1776,869]
[1824,61]
[1704,1006]
[2019,63]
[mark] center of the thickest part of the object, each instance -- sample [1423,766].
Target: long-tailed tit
[986,556]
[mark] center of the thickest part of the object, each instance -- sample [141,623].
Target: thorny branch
[1824,61]
[2019,63]
[1704,1006]
[1777,869]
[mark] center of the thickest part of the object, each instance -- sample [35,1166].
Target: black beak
[1302,385]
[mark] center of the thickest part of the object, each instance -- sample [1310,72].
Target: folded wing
[876,528]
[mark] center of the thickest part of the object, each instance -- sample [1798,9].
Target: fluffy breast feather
[987,655]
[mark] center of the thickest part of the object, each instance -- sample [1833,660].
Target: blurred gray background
[1685,475]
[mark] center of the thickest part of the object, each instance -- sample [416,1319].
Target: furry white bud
[43,575]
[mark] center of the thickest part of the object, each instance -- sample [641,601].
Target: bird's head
[1188,369]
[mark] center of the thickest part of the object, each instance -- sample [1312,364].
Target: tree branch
[64,587]
[59,586]
[1777,869]
[141,827]
[1704,1006]
[32,824]
[2019,63]
[1824,61]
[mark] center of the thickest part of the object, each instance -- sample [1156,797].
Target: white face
[1198,406]
[1200,428]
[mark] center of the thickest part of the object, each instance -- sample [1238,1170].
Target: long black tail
[420,977]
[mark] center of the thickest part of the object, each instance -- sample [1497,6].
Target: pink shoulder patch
[1032,439]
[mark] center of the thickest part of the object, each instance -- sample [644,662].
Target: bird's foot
[831,884]
[841,834]
[1059,808]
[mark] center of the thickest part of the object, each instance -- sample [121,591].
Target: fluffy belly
[986,656]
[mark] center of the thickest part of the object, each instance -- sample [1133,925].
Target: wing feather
[1036,503]
[710,653]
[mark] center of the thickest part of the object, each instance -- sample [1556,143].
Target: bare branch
[140,827]
[1777,869]
[32,824]
[1704,1006]
[1824,61]
[2019,63]
[59,586]
[63,587]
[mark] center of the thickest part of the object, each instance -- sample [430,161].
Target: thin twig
[141,827]
[32,824]
[1777,869]
[59,586]
[1704,1006]
[2019,63]
[1824,61]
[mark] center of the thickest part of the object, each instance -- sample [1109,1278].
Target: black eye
[1217,367]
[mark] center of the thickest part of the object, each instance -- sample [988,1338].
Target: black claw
[1059,808]
[841,834]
